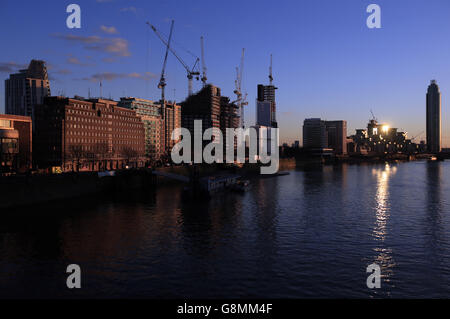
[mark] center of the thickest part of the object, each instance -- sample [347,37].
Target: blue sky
[326,62]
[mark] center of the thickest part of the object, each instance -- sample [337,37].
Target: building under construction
[215,111]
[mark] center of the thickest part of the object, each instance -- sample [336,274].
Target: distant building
[337,136]
[315,134]
[380,138]
[433,118]
[89,135]
[26,89]
[15,143]
[229,118]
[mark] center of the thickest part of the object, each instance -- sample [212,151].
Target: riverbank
[16,191]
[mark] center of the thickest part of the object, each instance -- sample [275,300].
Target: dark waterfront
[309,234]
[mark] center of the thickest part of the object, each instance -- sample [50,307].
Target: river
[310,234]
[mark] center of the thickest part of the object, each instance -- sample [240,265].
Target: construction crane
[270,71]
[418,135]
[240,99]
[204,78]
[162,81]
[190,72]
[373,116]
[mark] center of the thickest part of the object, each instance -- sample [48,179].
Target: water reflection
[384,255]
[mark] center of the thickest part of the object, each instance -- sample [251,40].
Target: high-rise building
[315,134]
[215,111]
[266,106]
[337,136]
[95,134]
[26,89]
[433,118]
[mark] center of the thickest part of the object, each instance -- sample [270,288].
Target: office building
[315,134]
[337,136]
[150,114]
[26,89]
[89,135]
[433,118]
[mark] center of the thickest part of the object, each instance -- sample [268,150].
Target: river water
[310,234]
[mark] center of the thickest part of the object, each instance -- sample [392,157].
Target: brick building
[158,132]
[90,135]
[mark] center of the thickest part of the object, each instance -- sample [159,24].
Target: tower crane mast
[162,81]
[240,99]
[204,77]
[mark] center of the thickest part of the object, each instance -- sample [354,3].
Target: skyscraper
[265,100]
[433,118]
[26,89]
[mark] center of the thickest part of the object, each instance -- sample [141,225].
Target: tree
[101,150]
[130,154]
[76,153]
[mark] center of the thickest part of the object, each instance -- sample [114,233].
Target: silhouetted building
[26,89]
[15,143]
[315,134]
[337,136]
[266,106]
[380,138]
[205,106]
[90,135]
[433,118]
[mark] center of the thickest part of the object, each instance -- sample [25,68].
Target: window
[6,123]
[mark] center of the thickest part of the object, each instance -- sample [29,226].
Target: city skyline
[334,67]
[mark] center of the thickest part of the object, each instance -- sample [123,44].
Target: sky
[326,62]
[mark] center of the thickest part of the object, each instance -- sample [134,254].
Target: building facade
[433,118]
[26,89]
[172,121]
[150,114]
[158,131]
[15,143]
[89,135]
